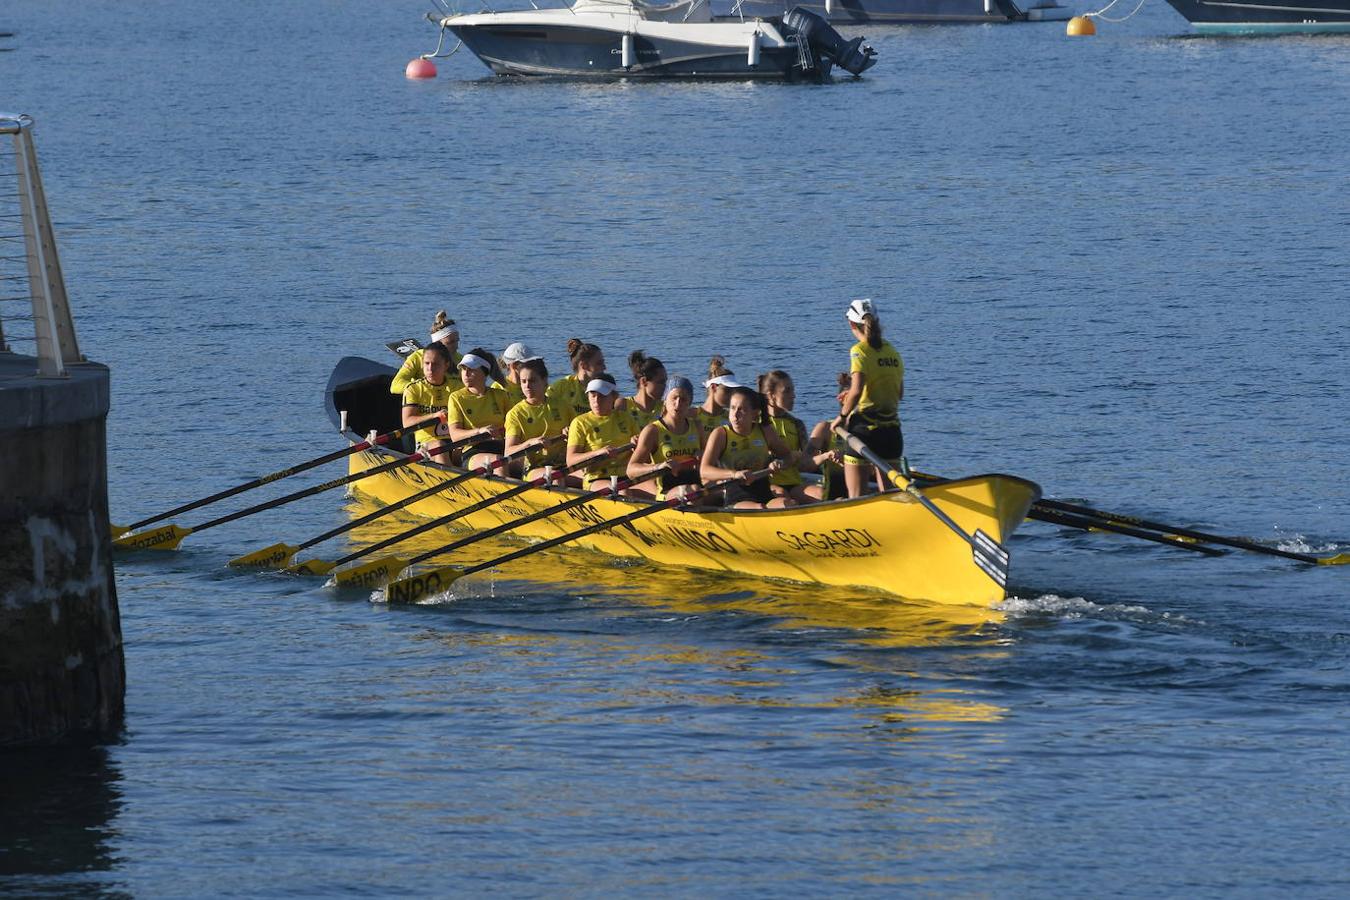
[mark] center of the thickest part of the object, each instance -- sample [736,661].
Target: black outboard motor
[852,56]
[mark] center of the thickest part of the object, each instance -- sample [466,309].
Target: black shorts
[759,491]
[675,479]
[885,441]
[497,448]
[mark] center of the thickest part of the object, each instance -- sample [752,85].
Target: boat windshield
[653,10]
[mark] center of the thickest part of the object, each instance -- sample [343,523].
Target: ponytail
[579,351]
[644,367]
[871,329]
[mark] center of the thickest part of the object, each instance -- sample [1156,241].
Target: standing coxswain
[870,409]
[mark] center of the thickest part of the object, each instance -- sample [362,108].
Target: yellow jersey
[670,445]
[589,432]
[428,399]
[641,417]
[525,422]
[411,371]
[883,378]
[794,434]
[470,410]
[709,421]
[745,451]
[568,394]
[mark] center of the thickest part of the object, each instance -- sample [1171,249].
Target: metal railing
[29,261]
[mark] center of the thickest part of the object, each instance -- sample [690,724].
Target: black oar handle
[1173,529]
[623,483]
[281,473]
[610,523]
[397,505]
[1087,524]
[309,492]
[443,520]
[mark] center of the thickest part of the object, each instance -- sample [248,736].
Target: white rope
[1099,14]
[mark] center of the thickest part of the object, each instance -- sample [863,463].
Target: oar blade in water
[167,537]
[418,587]
[314,567]
[275,556]
[372,574]
[990,556]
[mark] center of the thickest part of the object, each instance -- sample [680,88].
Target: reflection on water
[57,813]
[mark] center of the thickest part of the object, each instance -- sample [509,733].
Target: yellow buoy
[1080,26]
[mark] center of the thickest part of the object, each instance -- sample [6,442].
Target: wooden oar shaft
[283,473]
[533,517]
[1127,520]
[652,510]
[391,508]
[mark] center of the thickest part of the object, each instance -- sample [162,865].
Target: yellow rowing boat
[888,541]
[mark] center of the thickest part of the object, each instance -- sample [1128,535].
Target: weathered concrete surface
[61,669]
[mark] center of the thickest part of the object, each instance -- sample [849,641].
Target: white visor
[444,333]
[601,386]
[470,361]
[725,381]
[859,309]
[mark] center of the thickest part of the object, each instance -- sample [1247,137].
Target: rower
[592,433]
[534,418]
[569,392]
[870,407]
[510,361]
[744,445]
[427,396]
[645,406]
[721,382]
[477,409]
[443,332]
[827,448]
[778,391]
[673,437]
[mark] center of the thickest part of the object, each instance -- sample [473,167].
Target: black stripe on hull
[1335,13]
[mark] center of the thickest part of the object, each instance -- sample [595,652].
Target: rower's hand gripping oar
[119,530]
[377,573]
[278,556]
[168,537]
[435,581]
[323,567]
[989,554]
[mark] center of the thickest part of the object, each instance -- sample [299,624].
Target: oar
[119,530]
[1086,524]
[323,567]
[168,537]
[276,556]
[375,574]
[410,590]
[1118,519]
[989,554]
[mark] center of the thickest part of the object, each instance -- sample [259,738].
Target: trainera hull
[888,542]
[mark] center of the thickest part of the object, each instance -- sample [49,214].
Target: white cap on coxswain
[602,385]
[471,361]
[725,381]
[518,353]
[859,309]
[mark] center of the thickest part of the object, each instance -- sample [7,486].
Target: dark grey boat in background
[901,11]
[1279,17]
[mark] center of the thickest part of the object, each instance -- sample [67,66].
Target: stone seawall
[61,668]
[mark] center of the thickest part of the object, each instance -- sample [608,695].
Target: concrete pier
[61,669]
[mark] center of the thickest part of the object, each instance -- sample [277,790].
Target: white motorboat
[635,39]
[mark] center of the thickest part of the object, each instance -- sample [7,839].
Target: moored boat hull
[1236,17]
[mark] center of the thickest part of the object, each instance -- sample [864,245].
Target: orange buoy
[420,68]
[1079,26]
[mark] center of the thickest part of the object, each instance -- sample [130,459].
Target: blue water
[1114,265]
